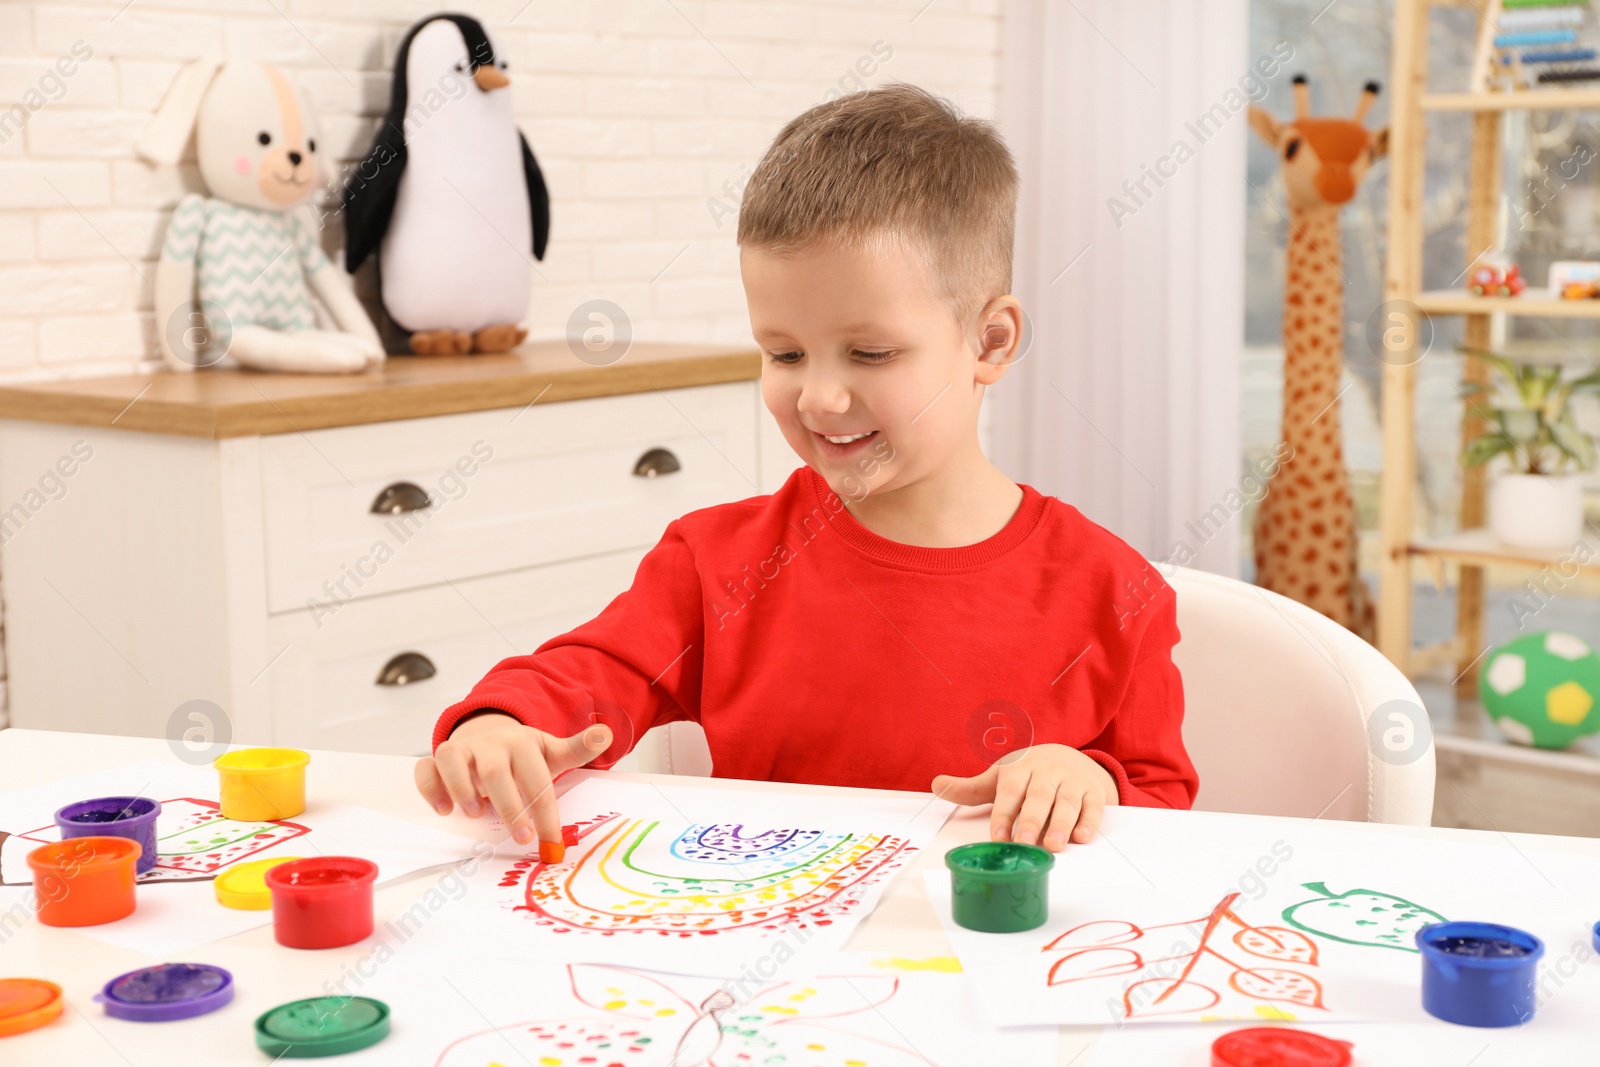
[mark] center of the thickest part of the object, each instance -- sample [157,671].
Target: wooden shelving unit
[1520,100]
[1533,302]
[1479,547]
[1473,548]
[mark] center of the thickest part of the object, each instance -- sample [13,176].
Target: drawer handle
[656,462]
[400,497]
[406,668]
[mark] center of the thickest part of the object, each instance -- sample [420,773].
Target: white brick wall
[640,111]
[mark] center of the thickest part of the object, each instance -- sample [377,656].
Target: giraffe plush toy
[1305,525]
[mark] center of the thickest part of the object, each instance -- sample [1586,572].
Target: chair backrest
[1288,713]
[1280,703]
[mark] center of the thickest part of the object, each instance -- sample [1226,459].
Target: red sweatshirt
[810,649]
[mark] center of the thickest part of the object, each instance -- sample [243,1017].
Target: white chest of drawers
[337,586]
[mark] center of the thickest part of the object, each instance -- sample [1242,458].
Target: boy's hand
[493,755]
[1048,790]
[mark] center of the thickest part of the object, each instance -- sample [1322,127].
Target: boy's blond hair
[893,162]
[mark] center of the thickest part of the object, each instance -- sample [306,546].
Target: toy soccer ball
[1542,689]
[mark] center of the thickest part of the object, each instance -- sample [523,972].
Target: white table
[903,925]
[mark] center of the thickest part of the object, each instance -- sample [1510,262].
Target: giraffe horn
[1302,96]
[1369,93]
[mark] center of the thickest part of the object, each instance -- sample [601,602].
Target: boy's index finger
[534,782]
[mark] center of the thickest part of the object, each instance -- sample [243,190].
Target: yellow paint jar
[262,784]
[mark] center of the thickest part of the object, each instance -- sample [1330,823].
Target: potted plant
[1538,503]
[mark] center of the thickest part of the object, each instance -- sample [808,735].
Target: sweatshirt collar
[1021,525]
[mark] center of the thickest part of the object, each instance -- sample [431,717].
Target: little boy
[900,613]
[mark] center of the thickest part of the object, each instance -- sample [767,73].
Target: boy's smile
[846,444]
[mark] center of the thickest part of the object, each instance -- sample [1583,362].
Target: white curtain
[1127,403]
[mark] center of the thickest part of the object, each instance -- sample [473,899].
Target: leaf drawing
[1171,978]
[1094,963]
[1278,984]
[1167,996]
[1277,943]
[1102,932]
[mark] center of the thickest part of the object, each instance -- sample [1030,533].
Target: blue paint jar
[1479,974]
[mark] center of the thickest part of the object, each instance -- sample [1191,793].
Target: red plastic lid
[321,873]
[1278,1046]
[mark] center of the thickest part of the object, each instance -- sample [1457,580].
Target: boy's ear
[1003,337]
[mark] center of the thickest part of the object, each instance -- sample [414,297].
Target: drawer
[493,491]
[324,686]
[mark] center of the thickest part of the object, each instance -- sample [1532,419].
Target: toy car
[1496,280]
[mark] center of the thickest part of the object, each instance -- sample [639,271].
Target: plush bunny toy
[251,242]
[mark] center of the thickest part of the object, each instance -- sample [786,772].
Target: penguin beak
[490,78]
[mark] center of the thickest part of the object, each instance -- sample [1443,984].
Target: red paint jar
[323,902]
[84,881]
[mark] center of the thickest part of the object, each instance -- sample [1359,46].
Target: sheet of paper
[669,875]
[859,1010]
[177,907]
[1194,917]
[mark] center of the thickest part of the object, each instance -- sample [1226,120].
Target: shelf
[1533,302]
[1478,546]
[1520,100]
[235,402]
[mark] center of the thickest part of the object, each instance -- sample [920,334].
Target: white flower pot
[1537,510]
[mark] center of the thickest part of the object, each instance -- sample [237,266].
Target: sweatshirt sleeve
[1142,745]
[634,666]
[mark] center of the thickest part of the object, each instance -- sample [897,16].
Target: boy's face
[864,342]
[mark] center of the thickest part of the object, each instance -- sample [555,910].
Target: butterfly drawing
[647,1018]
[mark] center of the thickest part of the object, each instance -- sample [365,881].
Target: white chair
[1279,702]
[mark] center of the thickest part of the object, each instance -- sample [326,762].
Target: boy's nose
[824,397]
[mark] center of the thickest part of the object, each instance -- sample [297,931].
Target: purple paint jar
[130,817]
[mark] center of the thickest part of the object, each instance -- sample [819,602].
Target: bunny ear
[822,998]
[629,993]
[162,141]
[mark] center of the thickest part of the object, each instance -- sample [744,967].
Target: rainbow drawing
[625,875]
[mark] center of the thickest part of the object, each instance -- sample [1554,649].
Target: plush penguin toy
[450,196]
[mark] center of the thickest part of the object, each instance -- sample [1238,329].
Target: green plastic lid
[322,1026]
[999,861]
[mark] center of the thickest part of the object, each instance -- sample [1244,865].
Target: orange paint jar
[84,881]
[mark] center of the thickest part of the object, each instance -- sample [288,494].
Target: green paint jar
[999,887]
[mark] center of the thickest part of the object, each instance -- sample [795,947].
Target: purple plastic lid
[167,991]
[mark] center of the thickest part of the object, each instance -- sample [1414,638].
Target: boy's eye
[871,357]
[785,357]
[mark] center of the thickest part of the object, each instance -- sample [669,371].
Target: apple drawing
[1361,917]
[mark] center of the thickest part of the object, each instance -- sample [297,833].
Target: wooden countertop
[242,403]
